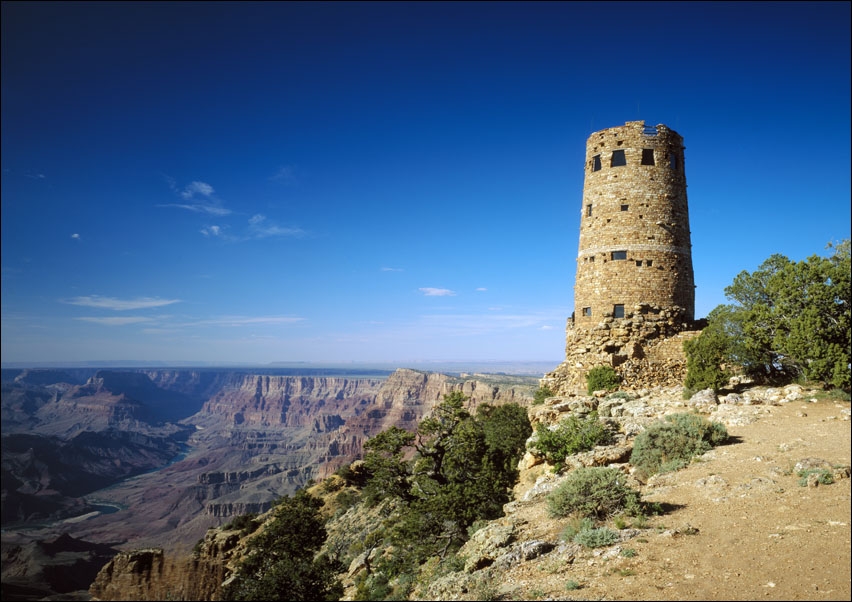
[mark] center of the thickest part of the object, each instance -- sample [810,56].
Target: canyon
[100,461]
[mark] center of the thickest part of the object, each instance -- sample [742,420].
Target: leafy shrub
[628,552]
[602,378]
[572,585]
[596,538]
[572,436]
[245,523]
[576,525]
[355,474]
[824,476]
[280,563]
[595,492]
[669,445]
[541,394]
[457,469]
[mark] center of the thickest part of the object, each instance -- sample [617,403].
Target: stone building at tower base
[645,348]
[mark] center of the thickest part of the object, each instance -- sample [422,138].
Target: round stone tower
[635,247]
[634,295]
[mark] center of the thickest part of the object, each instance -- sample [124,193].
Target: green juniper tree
[456,469]
[281,562]
[788,320]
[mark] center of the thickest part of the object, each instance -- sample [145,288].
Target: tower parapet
[634,286]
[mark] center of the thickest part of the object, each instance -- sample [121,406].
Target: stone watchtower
[634,295]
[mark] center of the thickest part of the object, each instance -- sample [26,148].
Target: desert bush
[245,523]
[281,561]
[602,378]
[572,436]
[596,538]
[824,476]
[594,492]
[541,394]
[574,526]
[669,445]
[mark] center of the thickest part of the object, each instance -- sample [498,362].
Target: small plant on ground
[602,378]
[628,552]
[669,445]
[594,492]
[823,476]
[596,538]
[574,526]
[572,585]
[572,436]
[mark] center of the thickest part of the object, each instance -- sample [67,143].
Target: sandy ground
[738,525]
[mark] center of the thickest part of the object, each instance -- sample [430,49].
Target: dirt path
[740,526]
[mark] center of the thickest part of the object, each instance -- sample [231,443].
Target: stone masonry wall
[634,233]
[634,295]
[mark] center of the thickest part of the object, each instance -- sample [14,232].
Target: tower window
[587,311]
[596,163]
[647,156]
[638,263]
[618,158]
[588,211]
[673,160]
[618,311]
[619,255]
[649,262]
[625,207]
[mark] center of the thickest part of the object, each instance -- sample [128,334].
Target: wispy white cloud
[211,208]
[248,320]
[385,269]
[75,236]
[286,174]
[211,231]
[437,292]
[119,304]
[197,189]
[116,321]
[200,197]
[259,227]
[481,289]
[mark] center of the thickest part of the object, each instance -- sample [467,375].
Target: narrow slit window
[649,263]
[596,163]
[618,158]
[673,161]
[618,311]
[616,255]
[587,311]
[647,156]
[588,211]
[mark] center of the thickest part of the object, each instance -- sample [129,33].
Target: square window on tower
[596,163]
[647,156]
[618,158]
[618,311]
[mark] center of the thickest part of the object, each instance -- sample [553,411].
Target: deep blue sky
[238,182]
